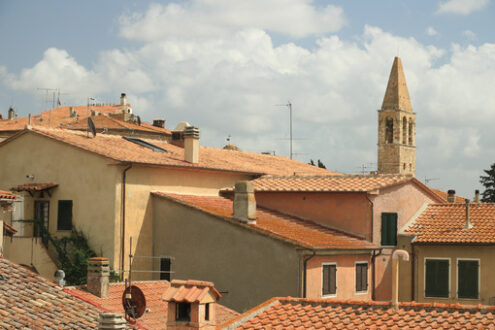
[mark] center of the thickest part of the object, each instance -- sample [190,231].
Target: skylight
[144,144]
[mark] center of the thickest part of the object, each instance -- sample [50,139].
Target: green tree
[311,162]
[320,164]
[488,181]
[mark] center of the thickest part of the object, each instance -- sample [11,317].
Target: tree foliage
[488,181]
[320,163]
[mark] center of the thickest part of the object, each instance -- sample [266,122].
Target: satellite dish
[134,303]
[139,120]
[91,126]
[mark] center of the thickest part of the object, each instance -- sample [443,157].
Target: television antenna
[427,180]
[133,299]
[366,166]
[289,106]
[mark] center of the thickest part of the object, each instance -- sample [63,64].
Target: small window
[410,132]
[389,229]
[165,269]
[183,312]
[437,278]
[362,277]
[404,130]
[329,279]
[64,220]
[207,312]
[389,130]
[468,278]
[144,144]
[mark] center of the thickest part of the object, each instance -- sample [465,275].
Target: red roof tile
[189,291]
[289,228]
[34,186]
[105,122]
[445,223]
[30,301]
[443,195]
[289,313]
[7,195]
[122,150]
[9,230]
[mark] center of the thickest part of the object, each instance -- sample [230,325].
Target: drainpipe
[122,243]
[304,272]
[395,276]
[413,269]
[373,271]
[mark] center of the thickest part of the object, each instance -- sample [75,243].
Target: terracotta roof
[189,291]
[34,186]
[445,223]
[288,228]
[7,195]
[119,149]
[327,183]
[9,230]
[303,313]
[105,122]
[443,195]
[30,301]
[153,291]
[396,94]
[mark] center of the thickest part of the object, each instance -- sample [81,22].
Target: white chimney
[191,144]
[123,99]
[11,113]
[111,321]
[468,224]
[476,196]
[395,276]
[451,196]
[245,202]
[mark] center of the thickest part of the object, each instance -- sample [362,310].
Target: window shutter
[468,279]
[389,229]
[326,279]
[437,278]
[364,277]
[333,279]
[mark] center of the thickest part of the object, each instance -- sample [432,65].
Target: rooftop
[288,228]
[303,313]
[7,195]
[124,151]
[31,301]
[445,224]
[189,291]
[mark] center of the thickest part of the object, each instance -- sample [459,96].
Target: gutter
[122,243]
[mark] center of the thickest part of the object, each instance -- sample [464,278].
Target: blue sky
[222,65]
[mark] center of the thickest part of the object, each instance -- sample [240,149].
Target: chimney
[123,99]
[111,321]
[159,123]
[191,144]
[395,276]
[476,196]
[451,196]
[11,114]
[98,272]
[245,202]
[468,224]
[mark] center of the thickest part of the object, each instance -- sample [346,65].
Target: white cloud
[207,18]
[470,35]
[431,31]
[461,7]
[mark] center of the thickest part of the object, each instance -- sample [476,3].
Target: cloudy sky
[224,65]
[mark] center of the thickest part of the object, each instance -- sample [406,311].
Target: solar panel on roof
[144,144]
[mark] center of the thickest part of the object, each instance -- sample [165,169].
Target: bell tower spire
[396,126]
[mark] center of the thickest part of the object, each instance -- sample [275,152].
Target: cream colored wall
[141,180]
[83,177]
[249,266]
[487,265]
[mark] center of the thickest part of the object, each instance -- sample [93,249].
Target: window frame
[396,229]
[367,276]
[71,214]
[323,295]
[178,317]
[479,277]
[449,277]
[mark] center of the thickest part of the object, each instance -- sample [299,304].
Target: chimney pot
[451,196]
[468,224]
[245,202]
[191,144]
[476,196]
[11,114]
[159,123]
[123,99]
[111,321]
[98,273]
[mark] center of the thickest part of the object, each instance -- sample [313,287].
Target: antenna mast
[289,106]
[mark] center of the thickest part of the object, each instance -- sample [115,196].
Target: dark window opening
[404,130]
[165,264]
[329,279]
[41,216]
[389,130]
[207,312]
[362,277]
[389,229]
[144,144]
[64,219]
[183,312]
[410,132]
[437,278]
[468,277]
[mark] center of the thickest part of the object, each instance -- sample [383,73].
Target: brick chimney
[451,196]
[98,273]
[191,144]
[159,123]
[111,321]
[245,202]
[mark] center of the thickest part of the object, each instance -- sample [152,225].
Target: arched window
[404,130]
[410,132]
[389,130]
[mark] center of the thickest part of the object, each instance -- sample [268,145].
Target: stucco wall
[83,177]
[346,276]
[249,266]
[348,211]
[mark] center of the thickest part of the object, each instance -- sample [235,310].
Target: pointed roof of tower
[397,95]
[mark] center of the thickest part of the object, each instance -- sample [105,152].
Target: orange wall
[349,211]
[346,275]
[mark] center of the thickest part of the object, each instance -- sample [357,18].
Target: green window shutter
[437,278]
[389,229]
[467,285]
[64,218]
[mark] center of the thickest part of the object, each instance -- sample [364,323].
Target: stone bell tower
[396,127]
